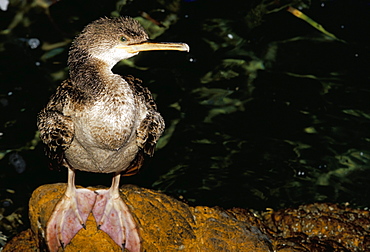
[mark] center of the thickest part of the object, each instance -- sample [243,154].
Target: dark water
[265,110]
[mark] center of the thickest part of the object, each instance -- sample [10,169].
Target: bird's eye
[122,39]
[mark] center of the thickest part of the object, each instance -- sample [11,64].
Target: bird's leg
[113,217]
[69,215]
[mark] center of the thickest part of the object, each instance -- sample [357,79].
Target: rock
[24,241]
[166,224]
[320,227]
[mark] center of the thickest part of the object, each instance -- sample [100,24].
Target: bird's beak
[154,46]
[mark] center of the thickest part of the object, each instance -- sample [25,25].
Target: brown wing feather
[150,129]
[56,129]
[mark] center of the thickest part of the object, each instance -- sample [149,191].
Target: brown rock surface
[320,227]
[166,224]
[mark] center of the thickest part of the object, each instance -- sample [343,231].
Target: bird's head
[115,39]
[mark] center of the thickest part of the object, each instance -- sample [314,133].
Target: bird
[98,121]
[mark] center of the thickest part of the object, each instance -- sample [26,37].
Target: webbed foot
[113,217]
[69,215]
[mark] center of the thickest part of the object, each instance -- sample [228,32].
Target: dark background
[265,110]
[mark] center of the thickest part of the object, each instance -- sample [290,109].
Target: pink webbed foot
[113,217]
[68,217]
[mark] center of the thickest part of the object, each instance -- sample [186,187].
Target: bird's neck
[89,74]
